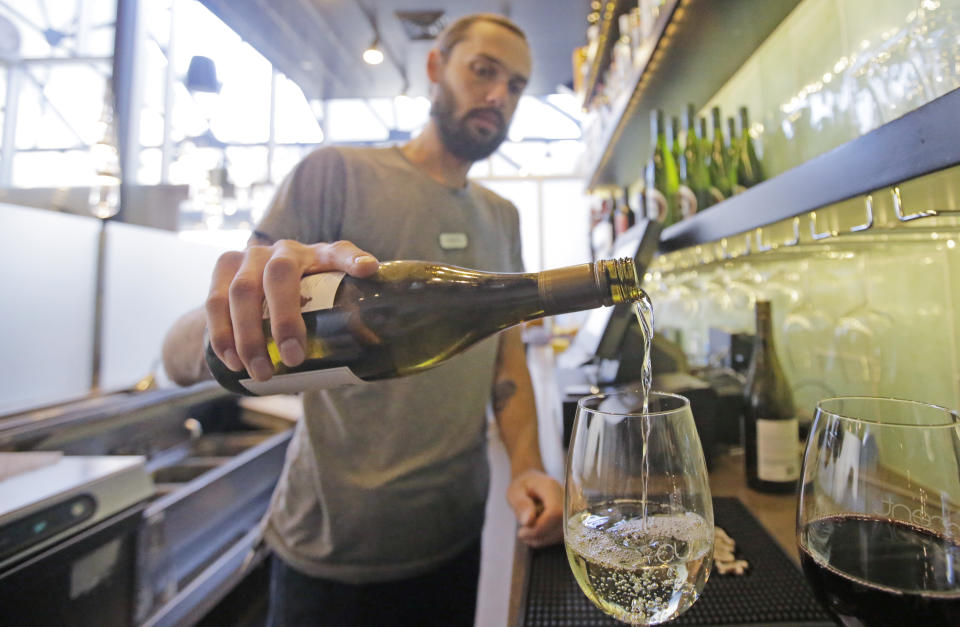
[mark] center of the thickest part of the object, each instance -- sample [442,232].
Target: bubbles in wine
[639,571]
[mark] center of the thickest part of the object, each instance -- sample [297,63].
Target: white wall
[152,277]
[48,282]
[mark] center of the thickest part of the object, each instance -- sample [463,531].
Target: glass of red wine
[878,522]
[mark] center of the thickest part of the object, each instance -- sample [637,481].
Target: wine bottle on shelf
[624,217]
[675,148]
[749,170]
[771,430]
[662,180]
[718,158]
[693,171]
[686,199]
[706,147]
[733,156]
[412,315]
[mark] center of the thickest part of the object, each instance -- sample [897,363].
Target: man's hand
[243,281]
[537,502]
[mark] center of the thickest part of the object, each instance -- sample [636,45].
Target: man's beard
[455,134]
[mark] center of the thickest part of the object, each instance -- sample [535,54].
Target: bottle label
[656,205]
[299,381]
[778,456]
[317,291]
[688,202]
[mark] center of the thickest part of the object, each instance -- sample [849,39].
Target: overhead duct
[421,25]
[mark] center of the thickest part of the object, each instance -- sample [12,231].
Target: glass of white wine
[638,514]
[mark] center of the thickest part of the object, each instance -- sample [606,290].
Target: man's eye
[516,87]
[483,70]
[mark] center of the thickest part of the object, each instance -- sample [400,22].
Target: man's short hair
[457,31]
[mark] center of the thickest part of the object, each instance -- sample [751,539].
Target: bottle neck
[586,286]
[657,130]
[764,334]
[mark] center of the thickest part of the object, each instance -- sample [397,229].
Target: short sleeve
[516,248]
[308,206]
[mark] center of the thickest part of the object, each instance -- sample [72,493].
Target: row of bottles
[629,31]
[689,173]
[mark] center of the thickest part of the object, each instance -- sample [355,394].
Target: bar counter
[776,514]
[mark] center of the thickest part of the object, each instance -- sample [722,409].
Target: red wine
[876,571]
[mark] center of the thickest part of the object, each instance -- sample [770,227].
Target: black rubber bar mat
[773,591]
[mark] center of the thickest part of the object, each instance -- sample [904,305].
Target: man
[377,516]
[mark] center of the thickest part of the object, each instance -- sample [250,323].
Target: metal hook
[813,229]
[796,233]
[898,208]
[760,245]
[724,250]
[868,205]
[796,237]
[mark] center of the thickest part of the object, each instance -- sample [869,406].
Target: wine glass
[639,518]
[878,523]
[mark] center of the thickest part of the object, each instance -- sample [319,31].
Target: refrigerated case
[204,467]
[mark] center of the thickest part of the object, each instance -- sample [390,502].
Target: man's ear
[435,65]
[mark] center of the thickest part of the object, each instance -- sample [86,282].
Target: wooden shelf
[697,46]
[920,142]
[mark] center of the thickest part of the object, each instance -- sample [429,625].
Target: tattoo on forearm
[503,391]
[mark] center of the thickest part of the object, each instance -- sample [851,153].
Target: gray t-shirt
[386,480]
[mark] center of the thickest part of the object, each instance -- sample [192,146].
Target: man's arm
[536,498]
[183,349]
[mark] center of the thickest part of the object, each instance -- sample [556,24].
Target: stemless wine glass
[878,523]
[639,518]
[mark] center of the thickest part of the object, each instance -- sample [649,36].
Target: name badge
[453,241]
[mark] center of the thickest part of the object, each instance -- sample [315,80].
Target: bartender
[378,514]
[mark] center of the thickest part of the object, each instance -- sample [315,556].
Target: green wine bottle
[693,170]
[733,156]
[718,158]
[749,170]
[663,182]
[675,148]
[706,147]
[413,315]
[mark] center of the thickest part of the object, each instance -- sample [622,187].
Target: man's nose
[498,93]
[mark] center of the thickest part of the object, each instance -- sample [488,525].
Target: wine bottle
[662,180]
[733,156]
[718,162]
[749,170]
[686,198]
[706,146]
[693,171]
[412,315]
[771,431]
[675,148]
[624,218]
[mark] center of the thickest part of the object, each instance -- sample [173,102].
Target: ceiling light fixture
[373,55]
